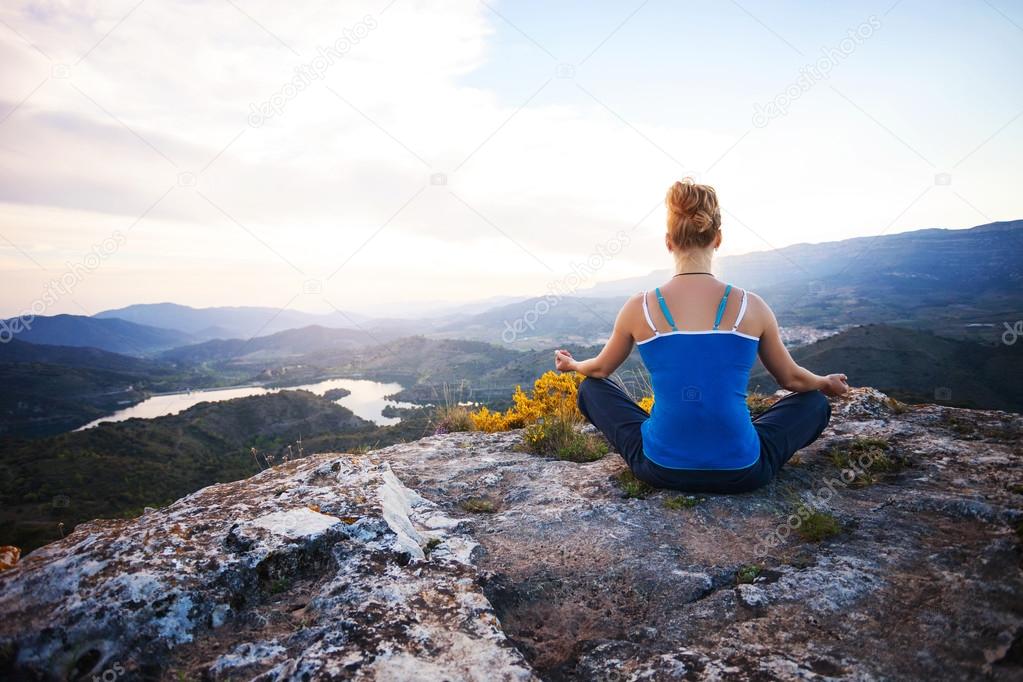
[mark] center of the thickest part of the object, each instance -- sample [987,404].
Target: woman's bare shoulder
[754,302]
[631,314]
[758,314]
[633,305]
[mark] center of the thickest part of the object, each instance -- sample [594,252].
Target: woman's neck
[693,261]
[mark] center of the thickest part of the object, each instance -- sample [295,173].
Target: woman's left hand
[563,361]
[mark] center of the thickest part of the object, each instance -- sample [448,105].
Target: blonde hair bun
[694,217]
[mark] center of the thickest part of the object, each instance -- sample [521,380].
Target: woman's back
[699,372]
[699,339]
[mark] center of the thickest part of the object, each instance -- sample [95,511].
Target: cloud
[135,109]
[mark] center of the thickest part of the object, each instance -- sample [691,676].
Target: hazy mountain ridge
[240,321]
[915,366]
[939,279]
[911,254]
[109,334]
[936,278]
[283,344]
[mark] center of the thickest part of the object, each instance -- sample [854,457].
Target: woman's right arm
[784,369]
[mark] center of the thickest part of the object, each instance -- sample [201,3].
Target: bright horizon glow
[553,130]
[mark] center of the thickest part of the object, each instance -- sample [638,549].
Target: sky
[386,155]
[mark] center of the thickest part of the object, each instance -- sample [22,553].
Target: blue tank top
[700,419]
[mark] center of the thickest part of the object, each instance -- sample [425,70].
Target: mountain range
[936,297]
[203,324]
[110,334]
[936,279]
[915,366]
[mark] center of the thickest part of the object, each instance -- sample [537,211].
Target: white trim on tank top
[742,311]
[659,335]
[646,313]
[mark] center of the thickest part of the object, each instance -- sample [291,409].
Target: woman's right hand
[835,385]
[563,361]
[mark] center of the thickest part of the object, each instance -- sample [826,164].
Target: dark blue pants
[790,424]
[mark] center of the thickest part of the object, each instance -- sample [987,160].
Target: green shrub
[746,575]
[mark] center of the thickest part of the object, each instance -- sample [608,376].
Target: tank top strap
[646,313]
[742,311]
[664,309]
[721,306]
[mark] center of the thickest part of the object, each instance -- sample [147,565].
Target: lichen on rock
[317,556]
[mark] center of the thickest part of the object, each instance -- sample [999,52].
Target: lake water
[366,400]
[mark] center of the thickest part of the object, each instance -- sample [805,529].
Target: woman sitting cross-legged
[698,338]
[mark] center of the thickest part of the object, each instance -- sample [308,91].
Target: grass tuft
[875,452]
[633,487]
[682,502]
[758,403]
[431,544]
[478,505]
[451,419]
[897,407]
[817,525]
[558,436]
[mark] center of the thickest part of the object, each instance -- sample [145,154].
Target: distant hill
[17,351]
[537,322]
[60,388]
[228,322]
[117,468]
[109,334]
[446,370]
[916,366]
[279,346]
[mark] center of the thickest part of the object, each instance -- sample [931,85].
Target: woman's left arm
[615,351]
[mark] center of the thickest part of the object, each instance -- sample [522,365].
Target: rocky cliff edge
[461,557]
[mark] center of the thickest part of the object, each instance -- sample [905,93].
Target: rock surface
[342,567]
[316,569]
